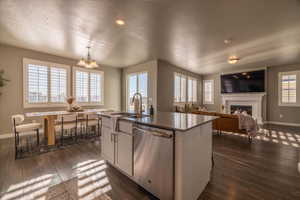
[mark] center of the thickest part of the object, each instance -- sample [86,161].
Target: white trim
[102,85]
[212,92]
[26,62]
[283,123]
[255,100]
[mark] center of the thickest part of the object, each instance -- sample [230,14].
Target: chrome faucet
[137,103]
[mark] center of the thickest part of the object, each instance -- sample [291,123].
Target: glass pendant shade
[81,62]
[87,63]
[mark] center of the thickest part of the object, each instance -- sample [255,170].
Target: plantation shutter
[37,84]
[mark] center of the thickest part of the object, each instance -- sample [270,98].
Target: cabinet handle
[154,132]
[116,137]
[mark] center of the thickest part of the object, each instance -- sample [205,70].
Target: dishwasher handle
[154,132]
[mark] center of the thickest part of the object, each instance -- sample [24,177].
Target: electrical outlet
[281,115]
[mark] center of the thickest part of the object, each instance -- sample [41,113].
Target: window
[45,83]
[179,88]
[288,82]
[192,89]
[137,82]
[88,86]
[208,92]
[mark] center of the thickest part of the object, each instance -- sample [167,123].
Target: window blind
[192,90]
[288,89]
[58,84]
[208,91]
[180,83]
[82,86]
[95,87]
[177,88]
[182,89]
[37,83]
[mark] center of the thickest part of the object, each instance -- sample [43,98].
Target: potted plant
[2,79]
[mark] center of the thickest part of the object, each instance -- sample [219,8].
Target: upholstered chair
[90,122]
[24,129]
[66,125]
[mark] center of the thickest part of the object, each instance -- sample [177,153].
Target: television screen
[243,82]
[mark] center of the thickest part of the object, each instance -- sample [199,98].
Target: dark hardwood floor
[266,169]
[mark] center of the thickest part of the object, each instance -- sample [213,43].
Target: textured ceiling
[187,33]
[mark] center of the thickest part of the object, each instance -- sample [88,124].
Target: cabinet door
[124,153]
[107,145]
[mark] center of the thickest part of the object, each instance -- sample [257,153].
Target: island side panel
[193,163]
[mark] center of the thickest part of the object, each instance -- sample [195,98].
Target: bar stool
[92,121]
[25,130]
[65,124]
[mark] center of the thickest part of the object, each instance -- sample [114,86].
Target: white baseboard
[7,135]
[283,123]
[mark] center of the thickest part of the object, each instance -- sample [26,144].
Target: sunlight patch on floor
[278,137]
[35,188]
[92,179]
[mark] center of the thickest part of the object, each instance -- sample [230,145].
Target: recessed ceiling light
[120,22]
[227,41]
[233,59]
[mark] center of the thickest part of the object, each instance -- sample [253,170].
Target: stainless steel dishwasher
[153,161]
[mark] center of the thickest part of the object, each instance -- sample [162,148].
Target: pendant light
[88,62]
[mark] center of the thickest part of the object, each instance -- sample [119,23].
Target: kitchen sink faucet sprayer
[137,103]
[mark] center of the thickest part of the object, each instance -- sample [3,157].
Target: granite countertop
[173,120]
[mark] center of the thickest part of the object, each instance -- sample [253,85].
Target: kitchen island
[168,154]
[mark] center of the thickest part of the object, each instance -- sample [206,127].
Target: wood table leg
[50,129]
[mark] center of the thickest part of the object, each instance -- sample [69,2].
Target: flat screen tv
[243,82]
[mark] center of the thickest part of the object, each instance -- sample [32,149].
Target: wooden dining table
[51,116]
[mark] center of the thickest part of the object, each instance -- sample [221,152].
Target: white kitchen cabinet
[117,148]
[124,152]
[107,145]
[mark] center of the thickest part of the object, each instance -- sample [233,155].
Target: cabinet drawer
[125,126]
[107,122]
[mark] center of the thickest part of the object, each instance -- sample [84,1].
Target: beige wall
[165,85]
[289,114]
[272,111]
[11,100]
[151,68]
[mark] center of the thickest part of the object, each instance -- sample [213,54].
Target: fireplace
[241,108]
[253,103]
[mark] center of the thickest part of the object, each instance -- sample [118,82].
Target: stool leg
[38,137]
[16,145]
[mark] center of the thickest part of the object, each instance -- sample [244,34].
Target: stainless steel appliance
[153,161]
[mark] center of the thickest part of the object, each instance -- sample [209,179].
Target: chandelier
[88,62]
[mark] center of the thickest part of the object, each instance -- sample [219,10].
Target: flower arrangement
[71,106]
[70,101]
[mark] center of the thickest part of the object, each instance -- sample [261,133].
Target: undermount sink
[134,116]
[129,115]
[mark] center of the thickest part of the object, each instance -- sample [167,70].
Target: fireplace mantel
[247,99]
